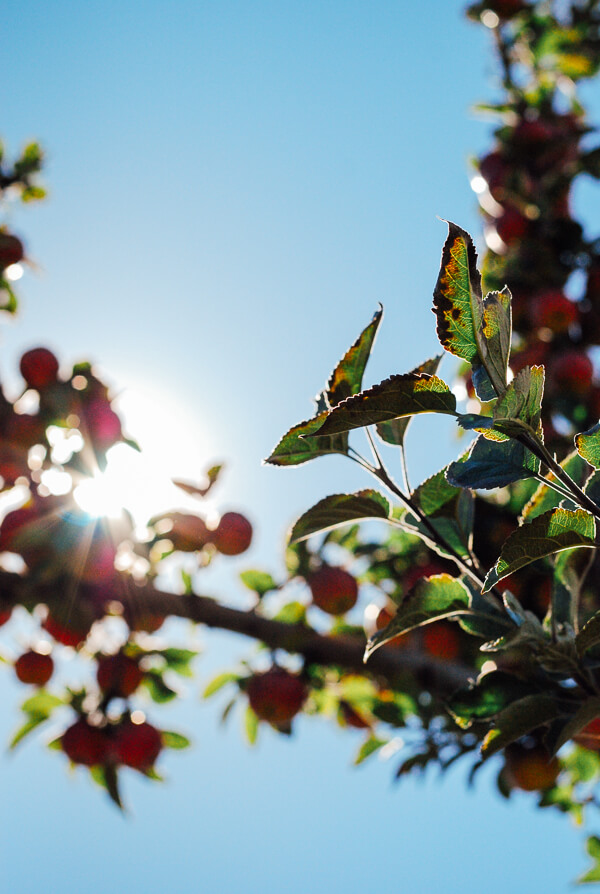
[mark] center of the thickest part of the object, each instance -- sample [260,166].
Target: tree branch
[346,652]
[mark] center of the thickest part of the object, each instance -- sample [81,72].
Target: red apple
[334,590]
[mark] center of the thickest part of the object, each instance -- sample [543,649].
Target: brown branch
[345,652]
[390,665]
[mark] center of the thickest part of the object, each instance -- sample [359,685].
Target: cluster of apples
[128,741]
[524,185]
[188,532]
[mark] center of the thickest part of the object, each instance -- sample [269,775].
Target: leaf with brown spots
[346,378]
[457,298]
[397,396]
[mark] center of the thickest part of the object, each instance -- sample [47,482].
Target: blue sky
[234,187]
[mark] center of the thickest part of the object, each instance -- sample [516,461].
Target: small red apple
[589,736]
[442,640]
[512,225]
[39,367]
[233,534]
[572,371]
[86,744]
[530,769]
[11,250]
[276,695]
[553,310]
[34,668]
[334,590]
[137,745]
[119,675]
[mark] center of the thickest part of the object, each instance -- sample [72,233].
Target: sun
[141,481]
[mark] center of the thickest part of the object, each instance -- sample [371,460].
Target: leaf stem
[538,449]
[382,475]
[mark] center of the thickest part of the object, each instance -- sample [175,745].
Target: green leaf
[450,511]
[339,509]
[251,723]
[487,697]
[547,534]
[346,379]
[593,874]
[188,584]
[178,660]
[566,584]
[219,682]
[291,613]
[546,497]
[369,747]
[519,718]
[259,581]
[439,596]
[457,300]
[394,432]
[42,703]
[589,635]
[32,722]
[107,778]
[481,382]
[33,194]
[588,711]
[194,490]
[492,464]
[8,298]
[401,395]
[297,447]
[174,740]
[484,619]
[436,496]
[588,445]
[592,486]
[497,333]
[158,689]
[522,399]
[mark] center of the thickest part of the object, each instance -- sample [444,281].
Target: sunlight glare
[141,482]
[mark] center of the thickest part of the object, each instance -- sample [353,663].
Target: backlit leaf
[219,682]
[439,596]
[522,398]
[485,698]
[593,874]
[32,722]
[588,711]
[450,511]
[369,747]
[346,379]
[174,740]
[497,331]
[549,533]
[546,497]
[589,635]
[339,509]
[492,464]
[481,381]
[294,448]
[518,719]
[258,581]
[394,432]
[251,722]
[588,445]
[457,300]
[401,395]
[107,778]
